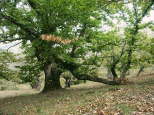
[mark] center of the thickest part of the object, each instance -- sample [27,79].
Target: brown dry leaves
[127,100]
[55,39]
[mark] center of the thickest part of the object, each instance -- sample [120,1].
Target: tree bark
[140,70]
[113,71]
[52,77]
[95,79]
[72,67]
[109,73]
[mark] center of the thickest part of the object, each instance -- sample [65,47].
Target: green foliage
[6,59]
[132,49]
[30,72]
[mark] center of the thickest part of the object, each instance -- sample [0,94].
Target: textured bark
[72,67]
[68,83]
[52,77]
[126,66]
[113,71]
[109,73]
[95,79]
[140,70]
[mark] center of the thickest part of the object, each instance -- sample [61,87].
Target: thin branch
[114,1]
[148,8]
[145,11]
[107,44]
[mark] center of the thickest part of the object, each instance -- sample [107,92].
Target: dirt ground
[23,89]
[14,93]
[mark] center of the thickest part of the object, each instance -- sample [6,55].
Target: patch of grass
[126,110]
[114,88]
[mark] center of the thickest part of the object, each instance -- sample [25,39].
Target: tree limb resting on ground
[72,67]
[94,78]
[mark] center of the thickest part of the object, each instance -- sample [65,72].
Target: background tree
[124,50]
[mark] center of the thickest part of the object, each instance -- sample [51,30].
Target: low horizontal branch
[94,79]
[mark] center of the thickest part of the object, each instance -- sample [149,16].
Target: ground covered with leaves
[136,98]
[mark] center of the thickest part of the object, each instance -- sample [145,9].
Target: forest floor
[14,93]
[87,99]
[12,89]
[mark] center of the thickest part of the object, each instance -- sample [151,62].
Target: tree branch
[94,79]
[145,11]
[72,67]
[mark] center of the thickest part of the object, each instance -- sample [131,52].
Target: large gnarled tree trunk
[52,77]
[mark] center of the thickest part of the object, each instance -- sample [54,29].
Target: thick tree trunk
[52,77]
[56,80]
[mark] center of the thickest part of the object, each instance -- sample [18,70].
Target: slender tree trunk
[113,71]
[140,70]
[125,68]
[52,77]
[123,74]
[109,73]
